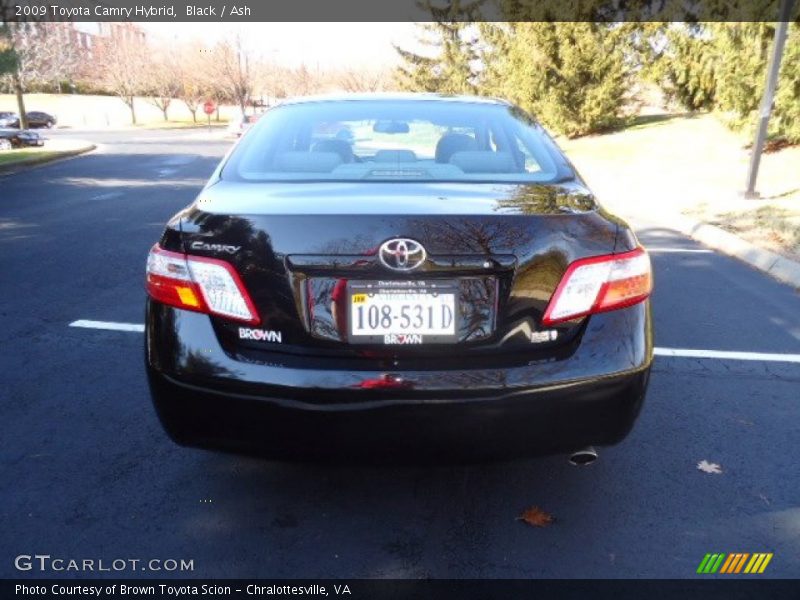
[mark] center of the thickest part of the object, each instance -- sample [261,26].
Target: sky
[290,44]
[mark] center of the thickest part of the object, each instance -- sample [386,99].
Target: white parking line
[677,250]
[106,196]
[135,327]
[674,352]
[691,353]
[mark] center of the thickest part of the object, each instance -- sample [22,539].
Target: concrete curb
[779,267]
[10,169]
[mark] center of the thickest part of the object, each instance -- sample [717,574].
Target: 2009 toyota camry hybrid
[380,275]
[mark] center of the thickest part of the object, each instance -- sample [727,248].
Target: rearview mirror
[390,127]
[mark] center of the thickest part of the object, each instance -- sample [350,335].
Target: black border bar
[712,588]
[391,10]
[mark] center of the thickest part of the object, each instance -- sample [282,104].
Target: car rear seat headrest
[483,161]
[307,162]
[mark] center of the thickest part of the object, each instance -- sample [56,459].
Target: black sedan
[36,119]
[19,138]
[437,279]
[41,119]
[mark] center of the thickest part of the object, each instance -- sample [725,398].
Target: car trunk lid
[303,250]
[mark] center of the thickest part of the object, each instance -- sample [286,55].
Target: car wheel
[50,124]
[5,144]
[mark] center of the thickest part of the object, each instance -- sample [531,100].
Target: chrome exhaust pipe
[583,457]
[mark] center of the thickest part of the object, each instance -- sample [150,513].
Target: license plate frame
[404,289]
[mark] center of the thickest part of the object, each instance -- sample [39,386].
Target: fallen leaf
[707,467]
[536,517]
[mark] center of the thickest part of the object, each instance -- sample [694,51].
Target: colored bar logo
[738,562]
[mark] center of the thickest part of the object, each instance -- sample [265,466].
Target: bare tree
[123,68]
[37,53]
[304,81]
[362,79]
[193,84]
[269,79]
[275,79]
[230,68]
[50,52]
[162,80]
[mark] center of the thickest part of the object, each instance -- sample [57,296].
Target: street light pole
[784,15]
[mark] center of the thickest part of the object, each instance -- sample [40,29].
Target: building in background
[87,36]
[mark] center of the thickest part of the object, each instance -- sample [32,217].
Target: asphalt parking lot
[88,472]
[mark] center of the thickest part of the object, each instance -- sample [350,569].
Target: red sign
[209,107]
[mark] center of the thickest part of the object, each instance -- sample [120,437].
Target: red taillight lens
[200,284]
[599,284]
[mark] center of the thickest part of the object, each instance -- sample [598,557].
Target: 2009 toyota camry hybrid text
[392,274]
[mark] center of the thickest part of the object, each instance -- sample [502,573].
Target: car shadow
[377,521]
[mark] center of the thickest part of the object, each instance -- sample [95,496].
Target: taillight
[200,284]
[599,284]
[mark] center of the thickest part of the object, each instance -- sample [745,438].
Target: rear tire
[5,145]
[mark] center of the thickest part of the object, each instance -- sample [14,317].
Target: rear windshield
[389,140]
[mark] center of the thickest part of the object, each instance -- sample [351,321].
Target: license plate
[402,312]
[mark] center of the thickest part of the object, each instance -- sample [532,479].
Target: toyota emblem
[402,254]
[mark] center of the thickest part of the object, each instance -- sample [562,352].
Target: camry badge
[215,247]
[402,254]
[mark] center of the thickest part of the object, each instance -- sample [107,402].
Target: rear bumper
[206,398]
[530,422]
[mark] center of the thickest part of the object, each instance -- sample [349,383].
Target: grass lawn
[24,155]
[696,166]
[9,159]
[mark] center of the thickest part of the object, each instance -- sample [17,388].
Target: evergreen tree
[743,51]
[681,59]
[786,118]
[449,67]
[8,59]
[723,66]
[574,77]
[741,54]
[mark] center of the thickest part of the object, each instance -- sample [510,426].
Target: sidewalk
[683,173]
[781,268]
